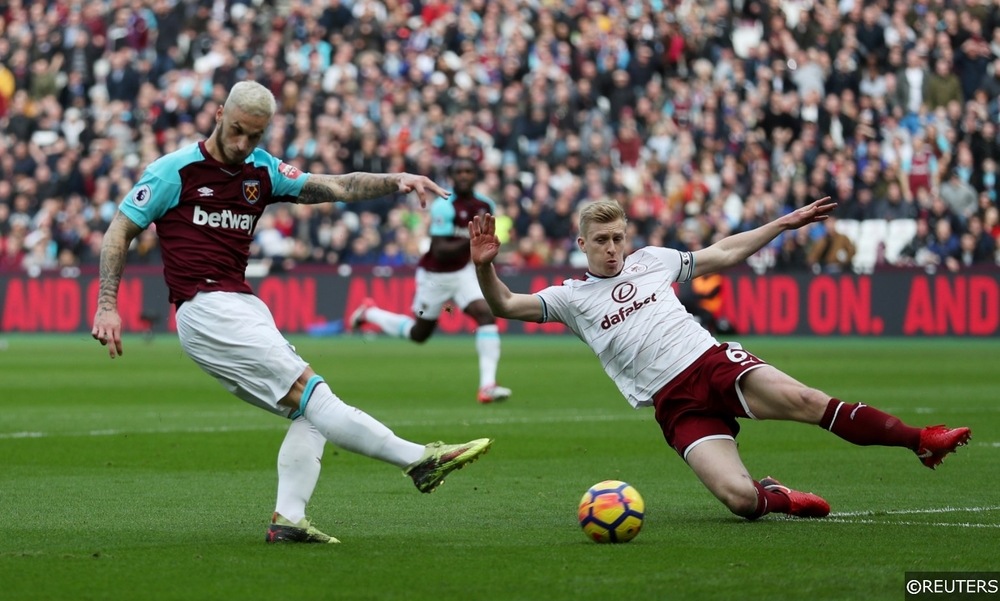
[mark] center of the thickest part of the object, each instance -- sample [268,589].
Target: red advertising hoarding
[894,303]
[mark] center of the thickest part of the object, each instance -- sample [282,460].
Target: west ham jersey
[450,217]
[205,214]
[634,322]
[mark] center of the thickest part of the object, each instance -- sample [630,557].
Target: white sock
[298,468]
[354,430]
[391,323]
[488,347]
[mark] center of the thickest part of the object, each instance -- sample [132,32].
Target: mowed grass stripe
[171,500]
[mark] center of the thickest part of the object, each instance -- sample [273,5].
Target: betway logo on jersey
[224,219]
[622,314]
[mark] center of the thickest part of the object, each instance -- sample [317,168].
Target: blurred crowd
[702,117]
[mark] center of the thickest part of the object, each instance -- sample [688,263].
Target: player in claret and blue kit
[205,200]
[625,309]
[445,275]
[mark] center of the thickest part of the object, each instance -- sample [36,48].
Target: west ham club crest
[251,190]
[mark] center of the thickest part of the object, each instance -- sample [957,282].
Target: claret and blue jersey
[450,217]
[205,213]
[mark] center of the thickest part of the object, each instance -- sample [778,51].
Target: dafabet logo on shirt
[624,293]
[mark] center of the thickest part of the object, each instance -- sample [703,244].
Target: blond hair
[600,211]
[251,98]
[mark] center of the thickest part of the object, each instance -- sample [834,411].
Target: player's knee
[802,404]
[811,404]
[741,500]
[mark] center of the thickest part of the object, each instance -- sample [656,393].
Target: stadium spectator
[977,247]
[793,253]
[12,245]
[920,167]
[444,276]
[991,222]
[911,82]
[657,355]
[943,86]
[759,88]
[893,205]
[945,245]
[830,251]
[985,180]
[960,197]
[972,55]
[204,199]
[917,252]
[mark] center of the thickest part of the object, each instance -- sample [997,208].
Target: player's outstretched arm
[735,249]
[107,323]
[485,245]
[354,187]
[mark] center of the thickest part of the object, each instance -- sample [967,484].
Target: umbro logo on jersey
[206,191]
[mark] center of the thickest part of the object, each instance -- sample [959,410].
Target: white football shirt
[633,321]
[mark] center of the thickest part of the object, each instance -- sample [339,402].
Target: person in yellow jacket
[7,87]
[703,298]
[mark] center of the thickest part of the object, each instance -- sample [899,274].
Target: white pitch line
[907,523]
[847,517]
[848,514]
[280,426]
[208,430]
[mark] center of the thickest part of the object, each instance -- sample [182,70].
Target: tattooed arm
[353,187]
[107,323]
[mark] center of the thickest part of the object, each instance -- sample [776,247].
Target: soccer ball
[611,512]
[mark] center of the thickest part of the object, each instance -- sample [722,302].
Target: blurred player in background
[445,275]
[205,200]
[658,355]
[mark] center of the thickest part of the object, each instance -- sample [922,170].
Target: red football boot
[938,441]
[803,504]
[358,317]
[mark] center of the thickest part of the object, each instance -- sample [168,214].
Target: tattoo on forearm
[112,266]
[316,191]
[347,188]
[113,253]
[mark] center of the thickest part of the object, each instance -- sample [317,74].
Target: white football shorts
[434,289]
[232,336]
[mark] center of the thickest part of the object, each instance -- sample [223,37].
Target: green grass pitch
[141,478]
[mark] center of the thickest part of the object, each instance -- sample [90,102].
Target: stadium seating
[868,247]
[877,241]
[849,228]
[898,234]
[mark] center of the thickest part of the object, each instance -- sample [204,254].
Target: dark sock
[769,502]
[863,425]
